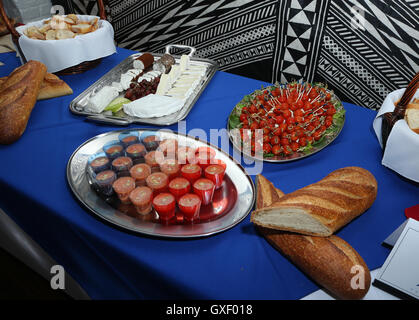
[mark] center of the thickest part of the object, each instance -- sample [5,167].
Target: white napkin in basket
[61,54]
[402,149]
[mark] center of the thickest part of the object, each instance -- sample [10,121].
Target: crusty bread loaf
[323,207]
[17,98]
[412,115]
[330,261]
[51,87]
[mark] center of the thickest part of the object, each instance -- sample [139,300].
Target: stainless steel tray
[78,181]
[77,105]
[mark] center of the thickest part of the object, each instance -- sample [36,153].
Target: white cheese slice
[138,64]
[184,63]
[163,84]
[126,80]
[101,99]
[152,106]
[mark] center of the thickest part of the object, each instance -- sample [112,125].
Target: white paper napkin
[402,149]
[61,54]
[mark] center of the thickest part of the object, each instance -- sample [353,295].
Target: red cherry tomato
[275,140]
[294,146]
[302,141]
[267,148]
[279,119]
[285,142]
[286,113]
[276,149]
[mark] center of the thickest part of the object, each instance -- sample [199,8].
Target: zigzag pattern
[376,49]
[362,48]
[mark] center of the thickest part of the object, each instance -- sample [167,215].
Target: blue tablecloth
[236,264]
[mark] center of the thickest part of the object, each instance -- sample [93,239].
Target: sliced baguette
[330,261]
[323,207]
[412,115]
[50,35]
[64,34]
[81,28]
[73,17]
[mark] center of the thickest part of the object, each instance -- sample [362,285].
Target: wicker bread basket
[82,67]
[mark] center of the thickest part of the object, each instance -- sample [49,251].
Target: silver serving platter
[297,156]
[122,119]
[78,181]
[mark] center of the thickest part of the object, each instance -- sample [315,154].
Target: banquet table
[110,263]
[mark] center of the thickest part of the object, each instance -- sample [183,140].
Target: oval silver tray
[293,157]
[79,183]
[122,119]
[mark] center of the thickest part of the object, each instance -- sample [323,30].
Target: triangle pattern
[291,32]
[303,60]
[311,7]
[306,34]
[287,56]
[301,18]
[297,45]
[296,5]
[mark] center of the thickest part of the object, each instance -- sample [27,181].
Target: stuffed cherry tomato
[192,172]
[123,187]
[165,205]
[136,152]
[215,173]
[170,167]
[190,205]
[204,188]
[158,181]
[141,198]
[140,172]
[179,186]
[121,166]
[186,155]
[153,159]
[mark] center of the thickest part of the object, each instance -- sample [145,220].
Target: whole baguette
[323,207]
[18,96]
[330,261]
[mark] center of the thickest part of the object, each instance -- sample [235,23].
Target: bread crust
[51,87]
[18,94]
[334,201]
[329,261]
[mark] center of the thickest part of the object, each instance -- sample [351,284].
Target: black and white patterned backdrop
[361,48]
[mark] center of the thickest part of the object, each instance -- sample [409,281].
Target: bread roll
[323,207]
[330,261]
[17,98]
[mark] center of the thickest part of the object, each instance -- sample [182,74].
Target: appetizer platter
[150,88]
[160,183]
[285,122]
